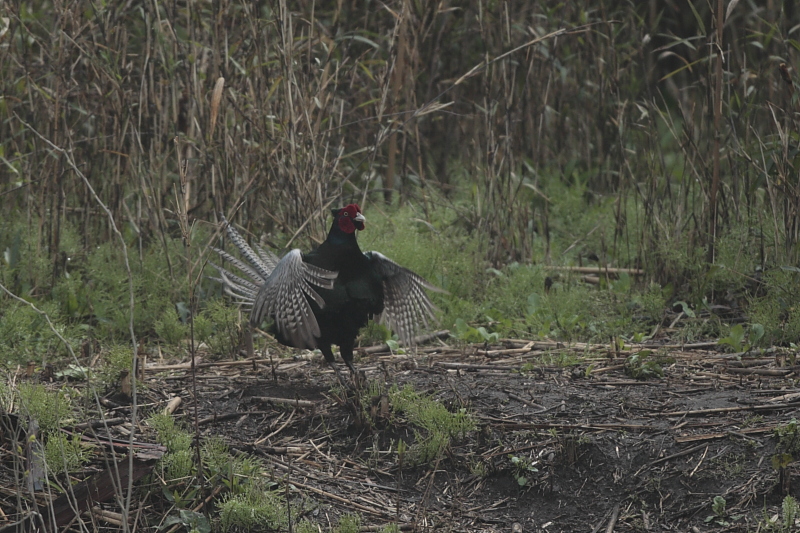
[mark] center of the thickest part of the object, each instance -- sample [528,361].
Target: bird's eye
[346,214]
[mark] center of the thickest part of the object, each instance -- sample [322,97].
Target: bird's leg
[328,354]
[338,374]
[347,356]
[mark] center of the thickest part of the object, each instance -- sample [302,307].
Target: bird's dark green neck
[339,238]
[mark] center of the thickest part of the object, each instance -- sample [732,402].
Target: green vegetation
[721,516]
[49,408]
[61,453]
[434,426]
[786,522]
[788,436]
[65,454]
[250,500]
[643,365]
[522,469]
[253,510]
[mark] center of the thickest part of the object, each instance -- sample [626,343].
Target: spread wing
[276,288]
[406,305]
[283,297]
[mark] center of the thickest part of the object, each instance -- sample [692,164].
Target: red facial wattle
[350,218]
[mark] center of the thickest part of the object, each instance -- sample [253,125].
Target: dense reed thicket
[478,107]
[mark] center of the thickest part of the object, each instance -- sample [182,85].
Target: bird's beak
[360,218]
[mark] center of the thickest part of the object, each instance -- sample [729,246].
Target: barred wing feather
[406,305]
[283,297]
[275,288]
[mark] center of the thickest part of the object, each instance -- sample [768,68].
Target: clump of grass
[349,523]
[790,510]
[238,472]
[154,292]
[775,307]
[250,503]
[48,408]
[788,436]
[51,410]
[254,509]
[170,329]
[64,454]
[643,365]
[169,434]
[434,425]
[116,359]
[306,526]
[25,334]
[177,464]
[218,327]
[23,268]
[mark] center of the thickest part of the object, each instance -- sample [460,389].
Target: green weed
[786,522]
[218,327]
[434,426]
[641,365]
[522,469]
[50,409]
[253,510]
[64,454]
[788,436]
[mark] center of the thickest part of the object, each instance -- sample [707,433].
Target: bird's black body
[357,293]
[324,297]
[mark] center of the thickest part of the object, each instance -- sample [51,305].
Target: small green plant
[789,511]
[740,340]
[256,509]
[169,434]
[478,469]
[305,526]
[192,521]
[752,421]
[437,426]
[218,327]
[236,472]
[25,334]
[786,522]
[64,454]
[718,507]
[240,474]
[641,366]
[788,437]
[522,468]
[170,329]
[731,464]
[177,465]
[349,523]
[467,333]
[117,359]
[48,408]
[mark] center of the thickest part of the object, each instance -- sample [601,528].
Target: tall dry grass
[328,103]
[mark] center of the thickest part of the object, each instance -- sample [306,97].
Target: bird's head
[349,218]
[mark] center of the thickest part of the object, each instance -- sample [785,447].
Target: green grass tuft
[437,426]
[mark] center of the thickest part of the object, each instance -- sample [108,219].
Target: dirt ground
[559,446]
[565,440]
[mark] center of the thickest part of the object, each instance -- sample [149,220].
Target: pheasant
[326,296]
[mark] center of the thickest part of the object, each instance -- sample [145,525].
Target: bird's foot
[358,376]
[339,376]
[358,379]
